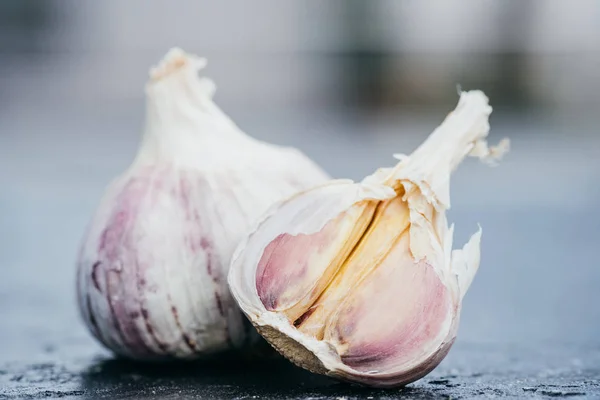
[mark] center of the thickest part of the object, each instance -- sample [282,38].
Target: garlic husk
[358,281]
[152,267]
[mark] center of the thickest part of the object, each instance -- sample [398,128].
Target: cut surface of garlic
[152,269]
[359,281]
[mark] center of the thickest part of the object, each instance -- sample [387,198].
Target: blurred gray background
[348,82]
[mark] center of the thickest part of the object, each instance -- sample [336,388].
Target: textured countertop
[530,325]
[471,372]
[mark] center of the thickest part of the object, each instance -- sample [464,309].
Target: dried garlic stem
[461,134]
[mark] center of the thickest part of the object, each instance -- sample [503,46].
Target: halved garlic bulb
[358,281]
[152,268]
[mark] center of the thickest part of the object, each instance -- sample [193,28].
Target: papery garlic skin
[385,312]
[152,268]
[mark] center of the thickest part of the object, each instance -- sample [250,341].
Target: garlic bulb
[358,281]
[152,267]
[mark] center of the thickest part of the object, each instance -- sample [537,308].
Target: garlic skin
[358,281]
[151,272]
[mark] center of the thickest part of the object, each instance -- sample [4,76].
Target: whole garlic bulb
[358,281]
[152,268]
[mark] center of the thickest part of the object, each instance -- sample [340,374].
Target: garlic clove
[151,272]
[358,280]
[385,229]
[291,286]
[400,311]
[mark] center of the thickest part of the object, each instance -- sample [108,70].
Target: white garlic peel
[358,281]
[152,267]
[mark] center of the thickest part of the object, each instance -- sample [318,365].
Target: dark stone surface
[472,372]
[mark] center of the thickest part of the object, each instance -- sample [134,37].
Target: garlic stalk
[359,281]
[151,277]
